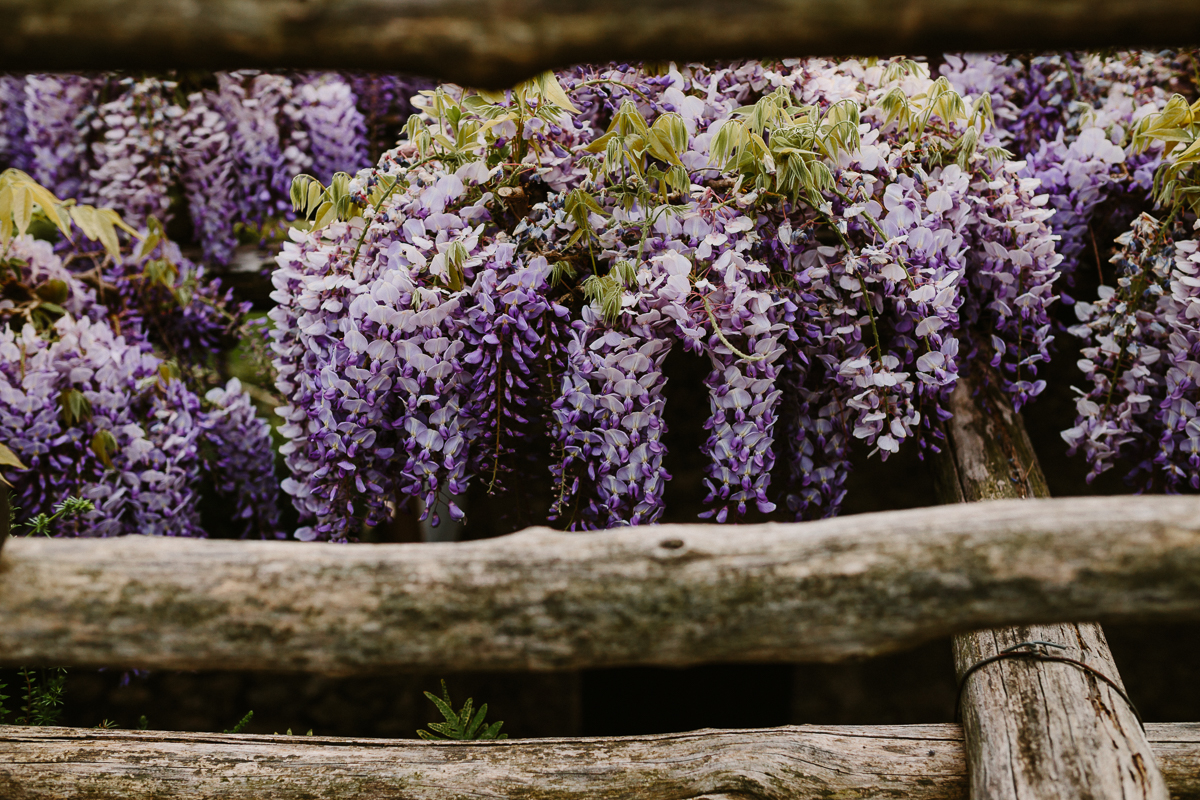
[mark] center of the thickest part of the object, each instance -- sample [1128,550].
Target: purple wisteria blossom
[172,303]
[130,167]
[207,168]
[250,104]
[1015,266]
[95,416]
[15,151]
[511,327]
[336,129]
[242,466]
[92,407]
[837,238]
[58,113]
[386,305]
[1140,358]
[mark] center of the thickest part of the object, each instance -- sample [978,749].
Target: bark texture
[913,762]
[498,42]
[540,599]
[1035,729]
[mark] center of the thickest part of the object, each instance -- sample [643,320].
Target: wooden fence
[913,762]
[667,595]
[1033,728]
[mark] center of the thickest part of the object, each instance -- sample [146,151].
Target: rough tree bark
[913,762]
[540,599]
[499,42]
[1035,729]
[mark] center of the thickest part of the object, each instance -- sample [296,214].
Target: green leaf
[493,732]
[6,207]
[74,406]
[53,291]
[562,271]
[22,207]
[43,696]
[9,459]
[241,726]
[443,704]
[104,445]
[463,725]
[553,92]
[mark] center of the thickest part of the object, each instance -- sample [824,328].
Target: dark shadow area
[910,687]
[903,481]
[1160,666]
[642,700]
[915,686]
[530,704]
[685,413]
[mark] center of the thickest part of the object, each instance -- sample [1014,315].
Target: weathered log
[499,42]
[1035,729]
[540,599]
[915,762]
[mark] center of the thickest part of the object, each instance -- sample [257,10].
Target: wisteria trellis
[844,300]
[838,239]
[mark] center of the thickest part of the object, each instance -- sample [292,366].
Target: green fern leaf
[492,732]
[465,724]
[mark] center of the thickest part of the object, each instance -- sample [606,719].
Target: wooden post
[1034,729]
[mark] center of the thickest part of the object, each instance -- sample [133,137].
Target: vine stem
[598,81]
[863,285]
[386,195]
[879,230]
[717,330]
[499,426]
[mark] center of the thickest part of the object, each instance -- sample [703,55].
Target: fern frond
[463,725]
[242,723]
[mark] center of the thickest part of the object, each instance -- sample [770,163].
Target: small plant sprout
[466,724]
[70,508]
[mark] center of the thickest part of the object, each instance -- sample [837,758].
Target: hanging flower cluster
[1070,117]
[495,300]
[1098,133]
[92,400]
[230,144]
[89,413]
[1142,337]
[833,237]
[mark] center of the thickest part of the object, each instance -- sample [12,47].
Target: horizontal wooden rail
[915,762]
[498,42]
[540,599]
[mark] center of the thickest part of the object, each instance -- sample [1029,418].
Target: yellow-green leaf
[74,406]
[553,92]
[104,445]
[9,459]
[22,209]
